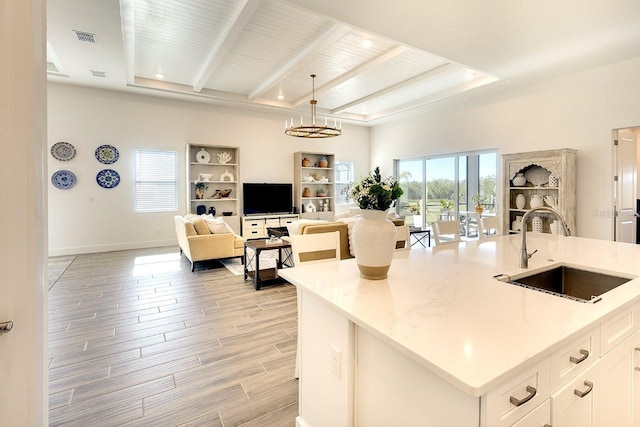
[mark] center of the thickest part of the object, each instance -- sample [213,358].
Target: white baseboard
[112,247]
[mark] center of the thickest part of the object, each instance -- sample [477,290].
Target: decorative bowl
[308,179]
[224,193]
[204,177]
[227,213]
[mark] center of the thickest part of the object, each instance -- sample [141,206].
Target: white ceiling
[248,52]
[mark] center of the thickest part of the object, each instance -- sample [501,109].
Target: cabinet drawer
[574,357]
[616,328]
[577,403]
[541,416]
[272,222]
[289,220]
[254,223]
[500,407]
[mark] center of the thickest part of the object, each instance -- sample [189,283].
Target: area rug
[267,260]
[57,266]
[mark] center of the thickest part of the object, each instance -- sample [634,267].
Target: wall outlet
[336,362]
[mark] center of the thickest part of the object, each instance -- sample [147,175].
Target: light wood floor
[136,339]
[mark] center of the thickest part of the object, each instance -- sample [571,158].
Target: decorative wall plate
[64,179]
[203,156]
[63,151]
[107,154]
[108,178]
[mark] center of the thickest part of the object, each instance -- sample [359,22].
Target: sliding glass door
[440,188]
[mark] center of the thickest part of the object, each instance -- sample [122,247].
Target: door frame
[614,172]
[23,247]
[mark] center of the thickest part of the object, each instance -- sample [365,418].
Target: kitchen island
[442,342]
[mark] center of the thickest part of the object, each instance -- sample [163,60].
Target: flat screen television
[266,198]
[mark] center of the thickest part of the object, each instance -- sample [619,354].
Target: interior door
[23,373]
[625,187]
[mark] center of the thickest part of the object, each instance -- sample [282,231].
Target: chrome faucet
[524,255]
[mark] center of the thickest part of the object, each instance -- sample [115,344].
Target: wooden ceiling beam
[231,33]
[386,56]
[325,41]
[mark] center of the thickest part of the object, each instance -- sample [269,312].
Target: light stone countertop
[442,307]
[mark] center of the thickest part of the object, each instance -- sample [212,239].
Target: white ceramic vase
[536,201]
[374,242]
[520,201]
[519,180]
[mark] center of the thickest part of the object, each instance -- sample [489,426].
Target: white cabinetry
[255,226]
[560,189]
[618,378]
[577,403]
[212,181]
[539,417]
[314,185]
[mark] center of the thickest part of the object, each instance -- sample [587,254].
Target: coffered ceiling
[372,59]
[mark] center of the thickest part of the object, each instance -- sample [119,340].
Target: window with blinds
[156,181]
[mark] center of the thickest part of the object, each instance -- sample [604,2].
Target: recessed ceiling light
[367,43]
[159,76]
[280,96]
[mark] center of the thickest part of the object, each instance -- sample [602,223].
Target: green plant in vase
[200,189]
[478,199]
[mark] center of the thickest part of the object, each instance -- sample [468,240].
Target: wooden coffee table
[266,276]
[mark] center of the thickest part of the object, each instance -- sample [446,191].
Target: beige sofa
[198,243]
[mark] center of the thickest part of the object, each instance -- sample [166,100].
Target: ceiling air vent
[85,37]
[98,73]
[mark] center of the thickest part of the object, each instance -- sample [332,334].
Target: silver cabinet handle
[546,425]
[582,394]
[5,327]
[517,402]
[576,360]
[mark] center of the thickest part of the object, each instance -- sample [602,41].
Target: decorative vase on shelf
[520,201]
[516,224]
[536,201]
[519,180]
[374,242]
[323,162]
[310,207]
[536,224]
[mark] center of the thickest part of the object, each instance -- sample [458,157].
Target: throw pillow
[201,226]
[217,225]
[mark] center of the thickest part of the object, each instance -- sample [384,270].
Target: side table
[266,276]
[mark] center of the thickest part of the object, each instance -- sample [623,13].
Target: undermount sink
[569,282]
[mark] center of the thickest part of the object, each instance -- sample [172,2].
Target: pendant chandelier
[313,130]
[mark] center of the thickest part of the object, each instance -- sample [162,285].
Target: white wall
[88,218]
[577,111]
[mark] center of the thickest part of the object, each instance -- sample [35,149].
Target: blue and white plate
[63,151]
[64,179]
[107,154]
[108,178]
